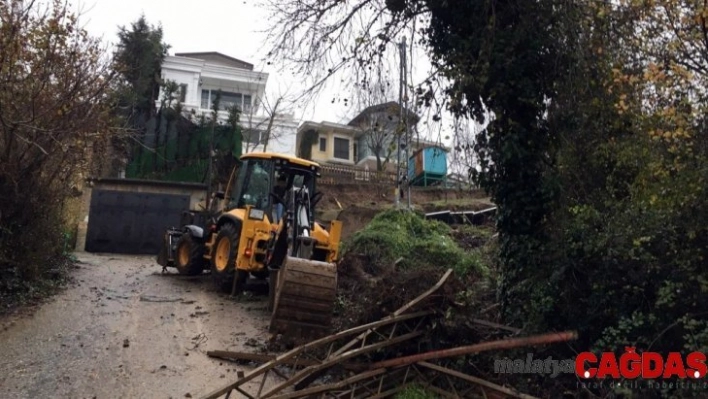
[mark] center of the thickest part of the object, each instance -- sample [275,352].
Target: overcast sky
[229,27]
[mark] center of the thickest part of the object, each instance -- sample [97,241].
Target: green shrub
[421,243]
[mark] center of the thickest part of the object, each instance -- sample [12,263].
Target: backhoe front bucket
[303,302]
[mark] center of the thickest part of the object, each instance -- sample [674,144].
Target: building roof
[270,155]
[425,144]
[218,58]
[391,105]
[311,124]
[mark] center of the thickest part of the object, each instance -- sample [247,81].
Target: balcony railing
[338,174]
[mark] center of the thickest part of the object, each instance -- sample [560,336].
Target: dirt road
[124,330]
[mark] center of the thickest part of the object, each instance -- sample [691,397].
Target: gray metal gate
[127,222]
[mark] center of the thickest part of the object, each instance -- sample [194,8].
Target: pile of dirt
[470,237]
[396,257]
[353,218]
[378,195]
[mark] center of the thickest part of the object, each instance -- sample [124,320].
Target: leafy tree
[596,155]
[53,117]
[138,61]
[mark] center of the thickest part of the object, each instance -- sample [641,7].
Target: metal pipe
[400,120]
[408,137]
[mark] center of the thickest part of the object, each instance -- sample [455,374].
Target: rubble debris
[386,376]
[398,327]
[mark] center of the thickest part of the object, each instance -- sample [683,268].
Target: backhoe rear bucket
[305,292]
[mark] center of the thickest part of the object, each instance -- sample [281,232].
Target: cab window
[255,184]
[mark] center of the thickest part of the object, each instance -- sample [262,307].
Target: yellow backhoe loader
[264,227]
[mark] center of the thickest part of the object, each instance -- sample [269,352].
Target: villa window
[205,99]
[228,99]
[247,104]
[341,148]
[253,136]
[183,92]
[323,144]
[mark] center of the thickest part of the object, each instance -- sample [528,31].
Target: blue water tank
[427,165]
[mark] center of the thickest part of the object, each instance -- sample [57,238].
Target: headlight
[256,214]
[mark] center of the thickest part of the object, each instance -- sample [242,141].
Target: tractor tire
[189,259]
[223,259]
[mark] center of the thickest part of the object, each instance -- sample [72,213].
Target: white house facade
[201,75]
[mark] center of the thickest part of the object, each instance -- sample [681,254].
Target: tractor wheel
[223,259]
[189,259]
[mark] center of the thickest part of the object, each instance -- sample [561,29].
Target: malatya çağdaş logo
[646,365]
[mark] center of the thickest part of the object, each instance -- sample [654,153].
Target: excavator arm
[303,290]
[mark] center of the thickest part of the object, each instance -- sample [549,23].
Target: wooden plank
[476,380]
[313,344]
[389,392]
[424,295]
[477,348]
[441,392]
[329,387]
[263,358]
[394,378]
[344,356]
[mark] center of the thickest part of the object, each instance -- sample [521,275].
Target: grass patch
[414,391]
[475,231]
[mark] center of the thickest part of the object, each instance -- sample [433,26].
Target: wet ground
[125,330]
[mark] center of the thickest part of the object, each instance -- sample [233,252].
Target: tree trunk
[269,130]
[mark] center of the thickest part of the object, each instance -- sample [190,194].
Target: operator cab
[266,182]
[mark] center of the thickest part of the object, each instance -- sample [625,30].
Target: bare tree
[253,124]
[319,39]
[276,106]
[325,41]
[260,127]
[463,157]
[380,123]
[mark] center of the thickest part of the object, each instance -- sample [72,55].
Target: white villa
[201,75]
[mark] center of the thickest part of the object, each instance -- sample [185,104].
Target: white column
[196,93]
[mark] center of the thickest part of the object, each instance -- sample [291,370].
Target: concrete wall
[196,192]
